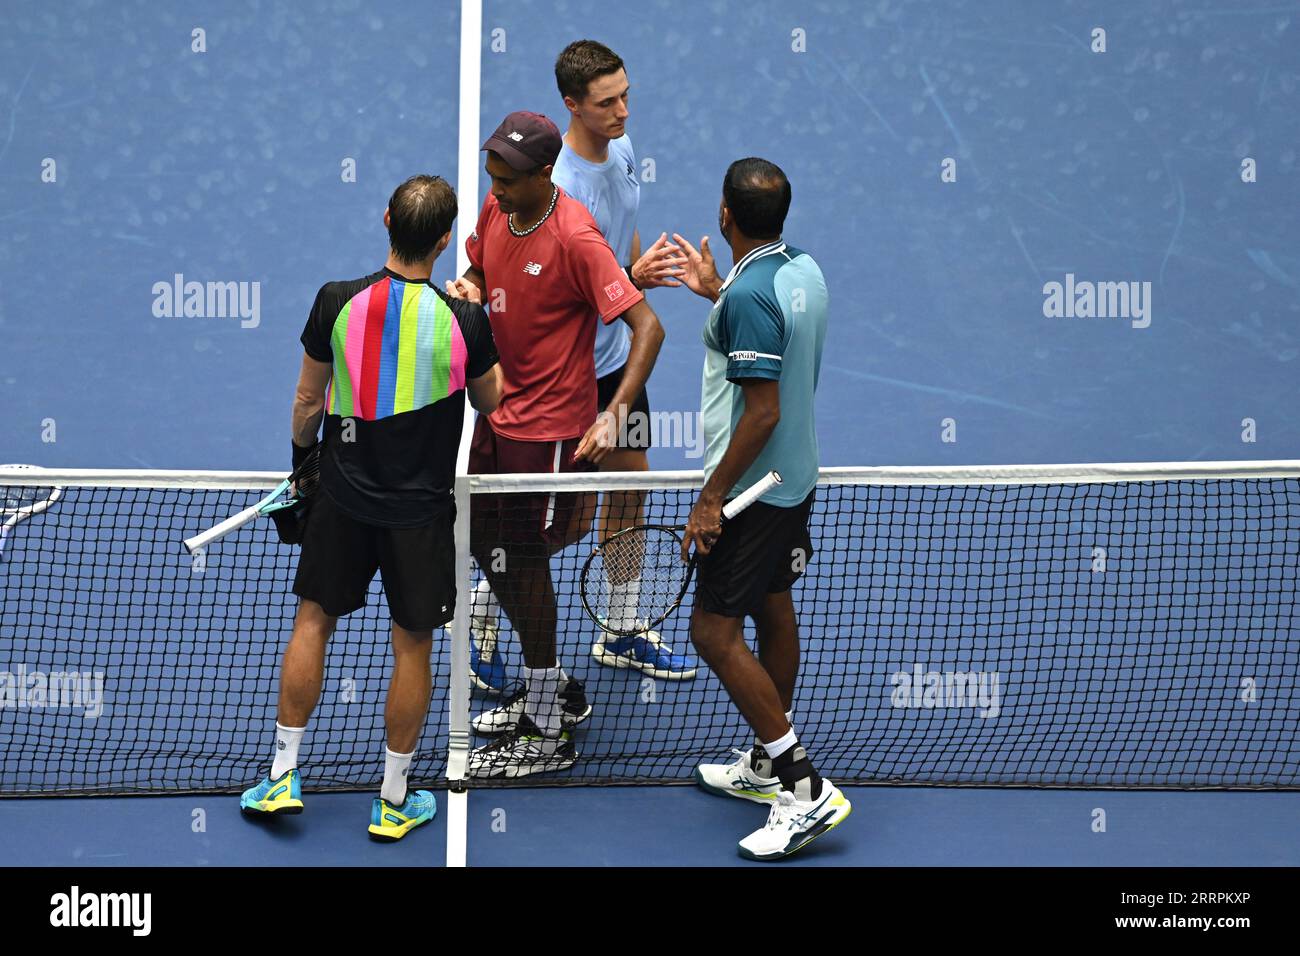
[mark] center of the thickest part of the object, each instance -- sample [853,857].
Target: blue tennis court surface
[130,163]
[673,826]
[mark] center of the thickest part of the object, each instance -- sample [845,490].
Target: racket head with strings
[19,502]
[650,555]
[645,559]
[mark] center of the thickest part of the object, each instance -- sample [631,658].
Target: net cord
[1101,473]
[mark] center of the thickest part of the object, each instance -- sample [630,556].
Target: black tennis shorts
[762,551]
[340,556]
[635,436]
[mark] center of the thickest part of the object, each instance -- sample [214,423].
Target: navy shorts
[763,550]
[636,434]
[340,556]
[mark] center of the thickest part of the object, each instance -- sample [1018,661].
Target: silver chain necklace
[510,219]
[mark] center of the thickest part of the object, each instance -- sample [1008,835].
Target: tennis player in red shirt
[539,263]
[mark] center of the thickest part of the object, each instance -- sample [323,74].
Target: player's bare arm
[309,400]
[647,338]
[485,391]
[757,422]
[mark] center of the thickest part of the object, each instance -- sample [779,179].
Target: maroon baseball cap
[525,140]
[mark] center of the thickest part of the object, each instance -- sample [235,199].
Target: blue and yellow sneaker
[274,797]
[389,823]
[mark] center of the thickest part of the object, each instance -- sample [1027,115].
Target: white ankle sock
[542,705]
[287,740]
[778,747]
[789,716]
[395,768]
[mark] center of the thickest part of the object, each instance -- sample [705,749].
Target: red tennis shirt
[544,292]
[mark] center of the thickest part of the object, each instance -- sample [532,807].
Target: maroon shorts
[526,517]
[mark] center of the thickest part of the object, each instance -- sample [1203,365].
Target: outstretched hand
[661,264]
[701,272]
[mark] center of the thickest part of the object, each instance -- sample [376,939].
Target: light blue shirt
[611,191]
[769,322]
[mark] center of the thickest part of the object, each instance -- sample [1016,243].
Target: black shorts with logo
[341,554]
[762,551]
[635,436]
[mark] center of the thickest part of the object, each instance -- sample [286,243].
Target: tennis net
[1074,626]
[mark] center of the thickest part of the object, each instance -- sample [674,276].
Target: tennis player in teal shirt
[763,346]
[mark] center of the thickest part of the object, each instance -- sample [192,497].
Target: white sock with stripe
[395,769]
[287,740]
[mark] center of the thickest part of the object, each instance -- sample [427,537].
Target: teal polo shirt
[769,322]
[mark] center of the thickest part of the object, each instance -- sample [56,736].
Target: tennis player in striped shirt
[388,359]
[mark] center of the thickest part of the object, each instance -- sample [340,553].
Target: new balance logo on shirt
[533,268]
[614,291]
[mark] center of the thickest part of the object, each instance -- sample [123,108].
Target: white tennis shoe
[794,823]
[738,779]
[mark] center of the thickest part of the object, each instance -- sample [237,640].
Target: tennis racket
[19,502]
[638,576]
[303,481]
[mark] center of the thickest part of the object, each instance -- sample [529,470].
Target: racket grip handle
[751,494]
[217,532]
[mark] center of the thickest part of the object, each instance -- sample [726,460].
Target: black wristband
[299,454]
[630,277]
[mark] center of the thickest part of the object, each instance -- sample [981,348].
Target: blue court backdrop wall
[1121,166]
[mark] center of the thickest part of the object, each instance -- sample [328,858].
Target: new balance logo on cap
[614,291]
[533,268]
[517,137]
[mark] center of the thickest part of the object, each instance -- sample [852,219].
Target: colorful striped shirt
[397,347]
[401,353]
